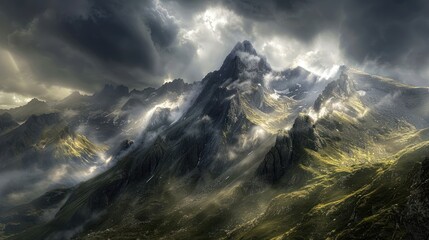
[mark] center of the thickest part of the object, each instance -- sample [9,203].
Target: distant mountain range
[246,153]
[34,107]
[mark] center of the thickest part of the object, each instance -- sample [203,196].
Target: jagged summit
[35,101]
[244,46]
[73,101]
[243,57]
[304,134]
[75,94]
[177,85]
[72,97]
[35,106]
[341,88]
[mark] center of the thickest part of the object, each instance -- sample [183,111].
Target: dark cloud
[82,44]
[393,34]
[302,19]
[110,34]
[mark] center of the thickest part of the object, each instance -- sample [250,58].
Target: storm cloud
[49,47]
[390,36]
[84,44]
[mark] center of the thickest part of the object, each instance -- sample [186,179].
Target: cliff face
[289,149]
[278,160]
[416,214]
[339,89]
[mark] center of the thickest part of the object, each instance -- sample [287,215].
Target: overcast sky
[49,48]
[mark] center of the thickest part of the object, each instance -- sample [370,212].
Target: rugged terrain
[247,153]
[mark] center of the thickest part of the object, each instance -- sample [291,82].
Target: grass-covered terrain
[248,163]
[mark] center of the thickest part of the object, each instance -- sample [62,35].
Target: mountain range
[246,153]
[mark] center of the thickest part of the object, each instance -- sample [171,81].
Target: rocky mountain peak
[345,85]
[341,88]
[75,94]
[244,46]
[243,58]
[303,133]
[35,106]
[177,85]
[35,101]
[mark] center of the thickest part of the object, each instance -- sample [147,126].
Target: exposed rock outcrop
[277,160]
[340,89]
[416,214]
[303,134]
[289,149]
